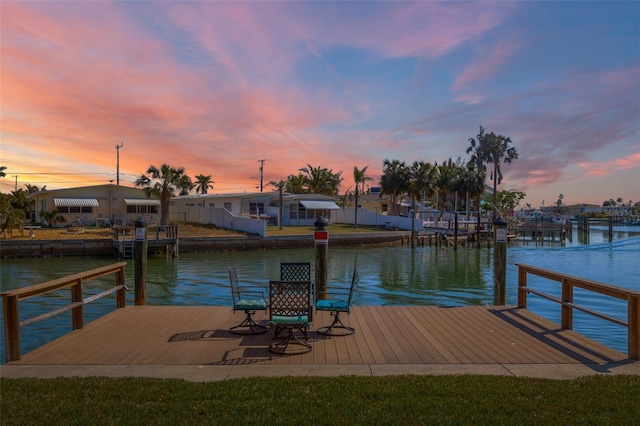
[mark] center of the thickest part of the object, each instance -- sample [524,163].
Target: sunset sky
[217,86]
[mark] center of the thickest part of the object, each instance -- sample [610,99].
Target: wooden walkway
[174,335]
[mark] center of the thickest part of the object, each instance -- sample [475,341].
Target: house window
[298,211]
[211,205]
[256,208]
[75,209]
[142,209]
[227,206]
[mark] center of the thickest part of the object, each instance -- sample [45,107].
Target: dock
[193,342]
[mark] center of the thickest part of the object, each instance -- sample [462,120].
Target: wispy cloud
[216,86]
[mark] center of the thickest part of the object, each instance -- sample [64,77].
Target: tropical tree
[49,217]
[508,200]
[394,182]
[471,181]
[203,184]
[491,148]
[280,187]
[421,178]
[445,183]
[162,183]
[296,184]
[10,217]
[32,189]
[360,178]
[2,171]
[320,180]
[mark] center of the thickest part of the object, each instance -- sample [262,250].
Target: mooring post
[500,261]
[140,253]
[321,243]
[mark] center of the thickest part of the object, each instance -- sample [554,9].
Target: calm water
[388,276]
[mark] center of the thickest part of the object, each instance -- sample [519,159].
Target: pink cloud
[607,167]
[486,65]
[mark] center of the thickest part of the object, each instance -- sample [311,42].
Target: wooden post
[120,294]
[566,316]
[77,313]
[500,261]
[140,252]
[455,232]
[633,322]
[610,228]
[522,292]
[321,243]
[11,328]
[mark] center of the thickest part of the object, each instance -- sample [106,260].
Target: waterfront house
[298,209]
[99,205]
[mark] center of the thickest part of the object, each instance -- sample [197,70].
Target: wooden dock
[392,335]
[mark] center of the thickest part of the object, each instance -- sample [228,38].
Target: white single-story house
[100,205]
[298,209]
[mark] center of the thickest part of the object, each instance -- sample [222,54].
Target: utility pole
[261,172]
[16,176]
[118,163]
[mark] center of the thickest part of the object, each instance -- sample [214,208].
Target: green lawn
[339,228]
[405,400]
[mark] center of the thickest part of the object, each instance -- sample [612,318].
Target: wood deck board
[457,347]
[175,335]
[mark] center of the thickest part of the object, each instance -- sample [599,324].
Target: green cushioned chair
[290,310]
[249,300]
[337,299]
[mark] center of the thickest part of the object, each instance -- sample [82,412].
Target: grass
[190,230]
[334,228]
[393,400]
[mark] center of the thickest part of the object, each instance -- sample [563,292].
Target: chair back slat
[297,271]
[235,290]
[354,278]
[290,298]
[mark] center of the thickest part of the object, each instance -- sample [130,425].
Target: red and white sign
[321,237]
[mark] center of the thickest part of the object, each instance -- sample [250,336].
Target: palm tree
[421,178]
[445,182]
[203,184]
[491,148]
[2,173]
[280,186]
[31,189]
[320,180]
[296,184]
[394,182]
[359,177]
[471,181]
[162,183]
[11,217]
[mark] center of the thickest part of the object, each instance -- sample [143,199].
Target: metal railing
[567,303]
[10,299]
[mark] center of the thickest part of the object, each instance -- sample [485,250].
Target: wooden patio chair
[290,310]
[249,300]
[338,300]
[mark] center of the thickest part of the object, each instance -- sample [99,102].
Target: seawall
[105,247]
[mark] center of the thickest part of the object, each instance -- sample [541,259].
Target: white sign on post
[501,235]
[140,234]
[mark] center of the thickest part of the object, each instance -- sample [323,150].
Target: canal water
[387,276]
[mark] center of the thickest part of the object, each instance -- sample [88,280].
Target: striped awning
[75,202]
[319,205]
[141,202]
